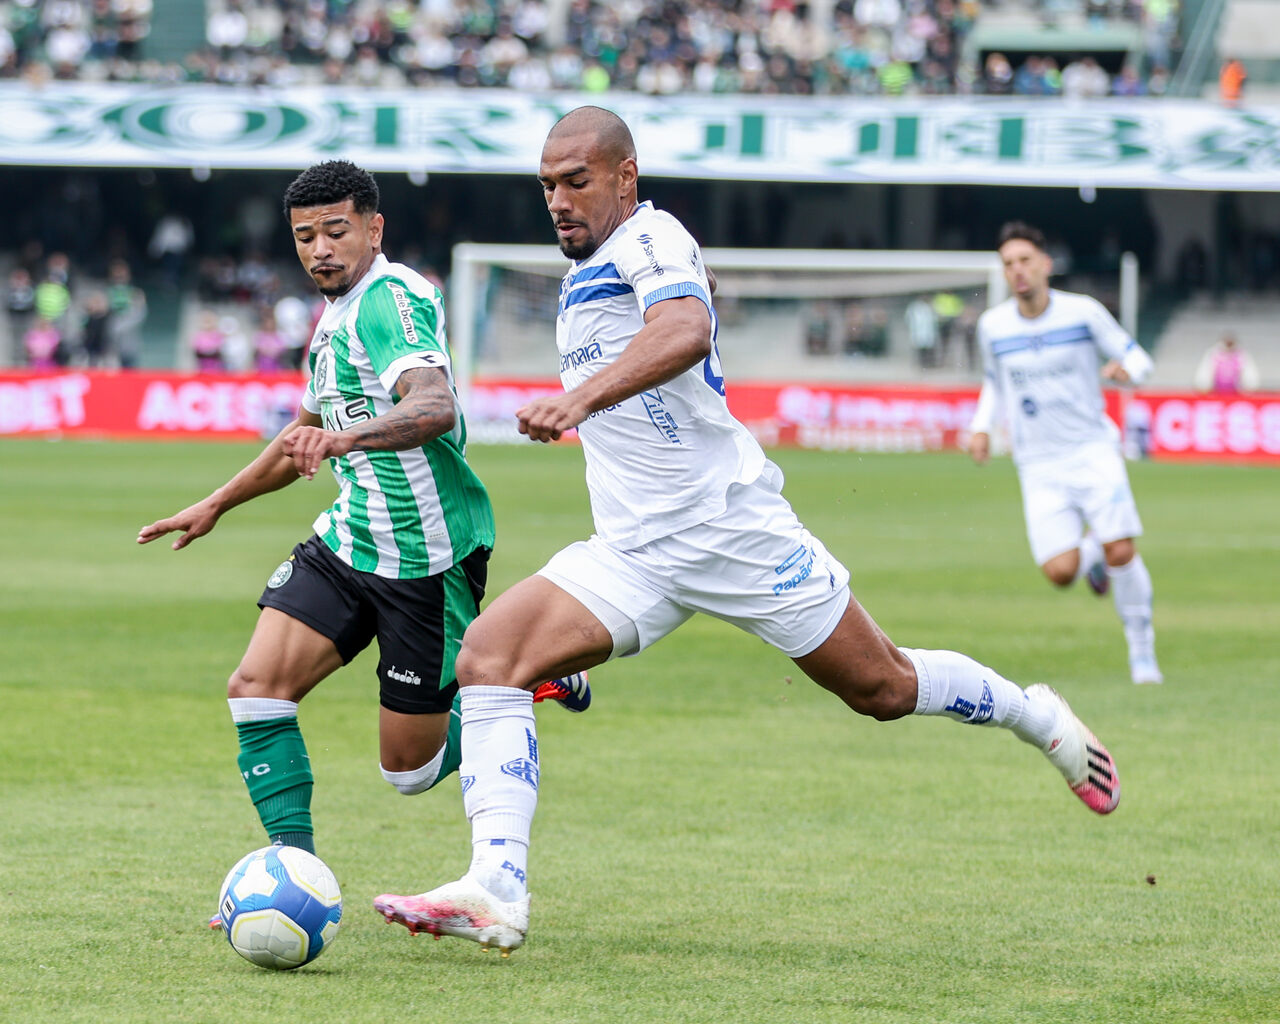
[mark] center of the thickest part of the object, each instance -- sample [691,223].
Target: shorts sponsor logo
[404,676]
[791,560]
[281,576]
[524,770]
[800,575]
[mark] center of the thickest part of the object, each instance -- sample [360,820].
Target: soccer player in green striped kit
[401,555]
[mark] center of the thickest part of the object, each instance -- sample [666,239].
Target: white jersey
[1043,373]
[662,460]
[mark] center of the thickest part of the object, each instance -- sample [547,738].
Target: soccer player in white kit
[1041,351]
[689,517]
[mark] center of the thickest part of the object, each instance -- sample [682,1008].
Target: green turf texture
[717,839]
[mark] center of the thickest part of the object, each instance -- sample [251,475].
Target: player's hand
[546,419]
[980,447]
[1114,370]
[309,447]
[195,521]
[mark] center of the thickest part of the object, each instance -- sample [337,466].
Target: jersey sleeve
[662,261]
[989,408]
[401,329]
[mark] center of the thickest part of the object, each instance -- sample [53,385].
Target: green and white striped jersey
[405,514]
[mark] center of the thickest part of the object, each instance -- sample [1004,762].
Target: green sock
[273,760]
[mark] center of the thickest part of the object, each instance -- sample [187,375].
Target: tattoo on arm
[425,411]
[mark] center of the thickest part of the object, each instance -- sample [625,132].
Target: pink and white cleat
[1078,754]
[463,908]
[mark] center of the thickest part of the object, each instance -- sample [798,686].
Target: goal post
[502,305]
[824,318]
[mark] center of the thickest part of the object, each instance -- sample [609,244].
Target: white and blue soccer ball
[280,907]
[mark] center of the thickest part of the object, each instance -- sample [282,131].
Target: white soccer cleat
[1145,671]
[1083,761]
[463,908]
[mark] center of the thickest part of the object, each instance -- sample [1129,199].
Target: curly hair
[332,182]
[1021,230]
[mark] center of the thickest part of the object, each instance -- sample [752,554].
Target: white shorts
[754,565]
[1059,496]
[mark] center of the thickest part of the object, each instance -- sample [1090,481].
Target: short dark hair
[332,182]
[1021,230]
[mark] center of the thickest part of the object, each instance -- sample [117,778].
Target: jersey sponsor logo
[971,713]
[404,676]
[1029,407]
[524,770]
[404,311]
[663,420]
[646,246]
[798,577]
[586,354]
[281,576]
[1022,376]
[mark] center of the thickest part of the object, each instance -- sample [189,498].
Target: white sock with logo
[953,684]
[1131,584]
[499,775]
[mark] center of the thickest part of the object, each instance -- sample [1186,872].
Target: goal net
[785,316]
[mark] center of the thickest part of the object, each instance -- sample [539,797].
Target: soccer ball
[280,907]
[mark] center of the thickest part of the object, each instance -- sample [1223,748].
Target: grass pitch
[718,840]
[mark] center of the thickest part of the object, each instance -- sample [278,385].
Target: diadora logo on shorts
[406,676]
[800,575]
[974,714]
[281,576]
[586,354]
[646,243]
[523,769]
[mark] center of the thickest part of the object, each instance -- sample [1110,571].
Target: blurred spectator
[42,343]
[295,324]
[95,330]
[997,75]
[1128,83]
[172,238]
[20,302]
[53,293]
[128,312]
[922,327]
[1226,369]
[1231,79]
[269,345]
[1085,79]
[237,346]
[207,344]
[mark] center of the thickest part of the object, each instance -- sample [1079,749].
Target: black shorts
[419,623]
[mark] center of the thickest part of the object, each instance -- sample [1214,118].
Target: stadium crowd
[658,47]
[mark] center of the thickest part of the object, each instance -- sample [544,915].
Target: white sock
[954,684]
[416,780]
[260,709]
[499,774]
[1090,553]
[1131,584]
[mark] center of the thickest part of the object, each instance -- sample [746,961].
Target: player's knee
[1058,574]
[481,664]
[410,783]
[1119,552]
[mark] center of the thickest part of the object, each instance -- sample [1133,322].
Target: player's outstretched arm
[426,410]
[270,471]
[675,337]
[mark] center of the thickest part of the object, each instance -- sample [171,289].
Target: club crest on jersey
[524,770]
[281,576]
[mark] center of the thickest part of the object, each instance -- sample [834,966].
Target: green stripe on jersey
[404,514]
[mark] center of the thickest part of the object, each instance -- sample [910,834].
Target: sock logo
[533,745]
[258,770]
[974,714]
[467,782]
[524,770]
[508,866]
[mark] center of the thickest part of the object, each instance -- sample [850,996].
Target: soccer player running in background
[689,517]
[401,554]
[1041,352]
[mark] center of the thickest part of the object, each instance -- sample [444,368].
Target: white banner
[1139,143]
